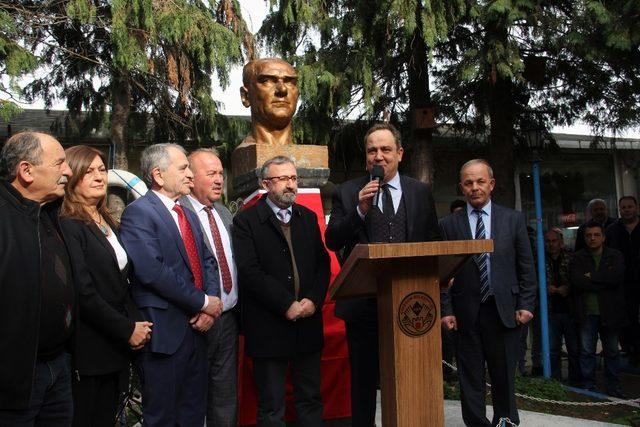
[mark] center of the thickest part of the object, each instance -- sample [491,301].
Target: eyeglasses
[283,178]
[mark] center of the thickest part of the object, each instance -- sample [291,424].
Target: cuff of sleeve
[360,214]
[206,303]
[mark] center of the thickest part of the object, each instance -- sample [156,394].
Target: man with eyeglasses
[283,275]
[404,212]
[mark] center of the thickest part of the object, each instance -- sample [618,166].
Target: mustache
[63,180]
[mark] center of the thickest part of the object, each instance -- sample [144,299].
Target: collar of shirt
[275,208]
[394,183]
[197,206]
[167,202]
[486,209]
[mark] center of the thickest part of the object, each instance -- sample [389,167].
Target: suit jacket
[107,313]
[346,229]
[265,277]
[513,278]
[606,281]
[164,289]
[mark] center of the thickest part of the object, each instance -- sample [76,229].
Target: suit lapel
[225,215]
[103,241]
[495,213]
[462,219]
[409,204]
[168,221]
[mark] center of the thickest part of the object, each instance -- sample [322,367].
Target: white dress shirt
[228,300]
[121,255]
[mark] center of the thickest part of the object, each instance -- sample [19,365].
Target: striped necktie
[482,260]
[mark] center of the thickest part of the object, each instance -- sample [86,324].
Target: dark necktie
[221,256]
[387,202]
[482,259]
[190,245]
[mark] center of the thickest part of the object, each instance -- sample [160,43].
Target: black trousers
[270,376]
[490,342]
[95,400]
[630,334]
[362,340]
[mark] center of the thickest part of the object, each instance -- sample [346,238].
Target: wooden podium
[406,278]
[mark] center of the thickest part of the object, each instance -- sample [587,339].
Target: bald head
[270,88]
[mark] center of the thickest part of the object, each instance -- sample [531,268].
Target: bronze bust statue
[270,89]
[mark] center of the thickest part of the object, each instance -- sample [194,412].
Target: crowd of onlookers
[593,294]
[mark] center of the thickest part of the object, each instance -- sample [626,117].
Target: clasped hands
[299,309]
[203,321]
[141,335]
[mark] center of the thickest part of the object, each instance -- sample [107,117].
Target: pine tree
[15,61]
[370,58]
[143,56]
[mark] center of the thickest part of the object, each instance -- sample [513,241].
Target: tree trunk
[421,163]
[120,110]
[502,106]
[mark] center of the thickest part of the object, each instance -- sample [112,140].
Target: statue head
[269,87]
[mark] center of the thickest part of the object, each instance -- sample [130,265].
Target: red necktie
[222,258]
[190,245]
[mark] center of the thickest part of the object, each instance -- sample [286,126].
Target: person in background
[561,322]
[106,330]
[597,277]
[597,211]
[37,298]
[624,235]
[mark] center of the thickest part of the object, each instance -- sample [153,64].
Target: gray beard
[285,199]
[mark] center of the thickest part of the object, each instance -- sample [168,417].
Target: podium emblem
[416,314]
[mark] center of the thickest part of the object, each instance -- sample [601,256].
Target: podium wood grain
[410,366]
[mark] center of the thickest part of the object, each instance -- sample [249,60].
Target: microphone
[377,173]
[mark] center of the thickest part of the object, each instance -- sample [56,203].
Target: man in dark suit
[215,221]
[283,273]
[177,289]
[405,213]
[491,296]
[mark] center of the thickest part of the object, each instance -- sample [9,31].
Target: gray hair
[278,160]
[477,162]
[594,202]
[156,156]
[209,150]
[23,146]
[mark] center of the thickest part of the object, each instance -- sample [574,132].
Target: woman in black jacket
[106,331]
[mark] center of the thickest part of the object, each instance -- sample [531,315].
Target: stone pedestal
[312,164]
